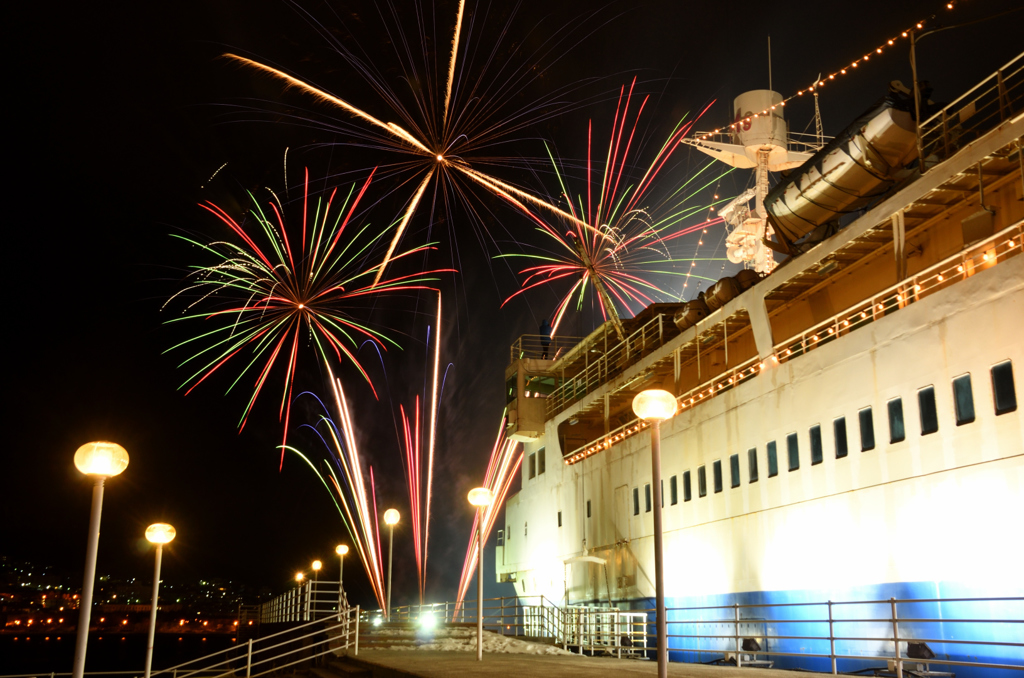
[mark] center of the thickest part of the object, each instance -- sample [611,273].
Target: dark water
[107,652]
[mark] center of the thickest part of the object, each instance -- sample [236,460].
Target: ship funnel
[765,131]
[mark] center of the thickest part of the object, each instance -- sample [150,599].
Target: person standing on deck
[545,338]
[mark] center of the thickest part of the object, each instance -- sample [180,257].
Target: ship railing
[994,100]
[609,359]
[983,255]
[541,347]
[798,142]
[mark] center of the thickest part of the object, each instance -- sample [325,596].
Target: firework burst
[616,241]
[442,141]
[275,287]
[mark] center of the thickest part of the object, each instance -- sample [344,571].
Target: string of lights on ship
[832,76]
[930,280]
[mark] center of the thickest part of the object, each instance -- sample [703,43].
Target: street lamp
[654,406]
[341,550]
[481,498]
[391,517]
[316,565]
[101,460]
[157,534]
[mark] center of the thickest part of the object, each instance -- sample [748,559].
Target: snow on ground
[459,640]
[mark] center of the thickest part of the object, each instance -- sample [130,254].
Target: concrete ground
[427,664]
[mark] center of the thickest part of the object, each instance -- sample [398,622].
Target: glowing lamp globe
[391,517]
[298,576]
[480,496]
[341,549]
[160,533]
[101,459]
[654,405]
[317,565]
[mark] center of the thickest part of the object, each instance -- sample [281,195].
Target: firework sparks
[420,488]
[346,481]
[438,148]
[616,245]
[274,286]
[506,458]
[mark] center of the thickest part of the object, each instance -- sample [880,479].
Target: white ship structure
[849,427]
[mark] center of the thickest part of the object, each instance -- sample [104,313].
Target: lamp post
[341,550]
[298,595]
[101,460]
[654,406]
[481,498]
[157,534]
[391,517]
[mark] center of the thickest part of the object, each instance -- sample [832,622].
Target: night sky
[120,113]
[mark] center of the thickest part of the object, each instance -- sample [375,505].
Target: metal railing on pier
[893,636]
[306,602]
[332,635]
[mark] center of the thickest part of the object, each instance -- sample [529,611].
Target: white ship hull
[934,515]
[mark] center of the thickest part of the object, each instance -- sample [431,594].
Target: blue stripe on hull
[809,623]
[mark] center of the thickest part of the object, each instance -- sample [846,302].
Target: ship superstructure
[848,425]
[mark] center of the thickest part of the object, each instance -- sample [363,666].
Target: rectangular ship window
[793,448]
[1003,393]
[673,488]
[717,467]
[702,482]
[533,465]
[816,454]
[647,498]
[686,486]
[867,430]
[926,405]
[897,432]
[541,453]
[839,431]
[588,508]
[734,470]
[752,464]
[773,460]
[559,518]
[963,399]
[636,501]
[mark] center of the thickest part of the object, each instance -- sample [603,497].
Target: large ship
[848,427]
